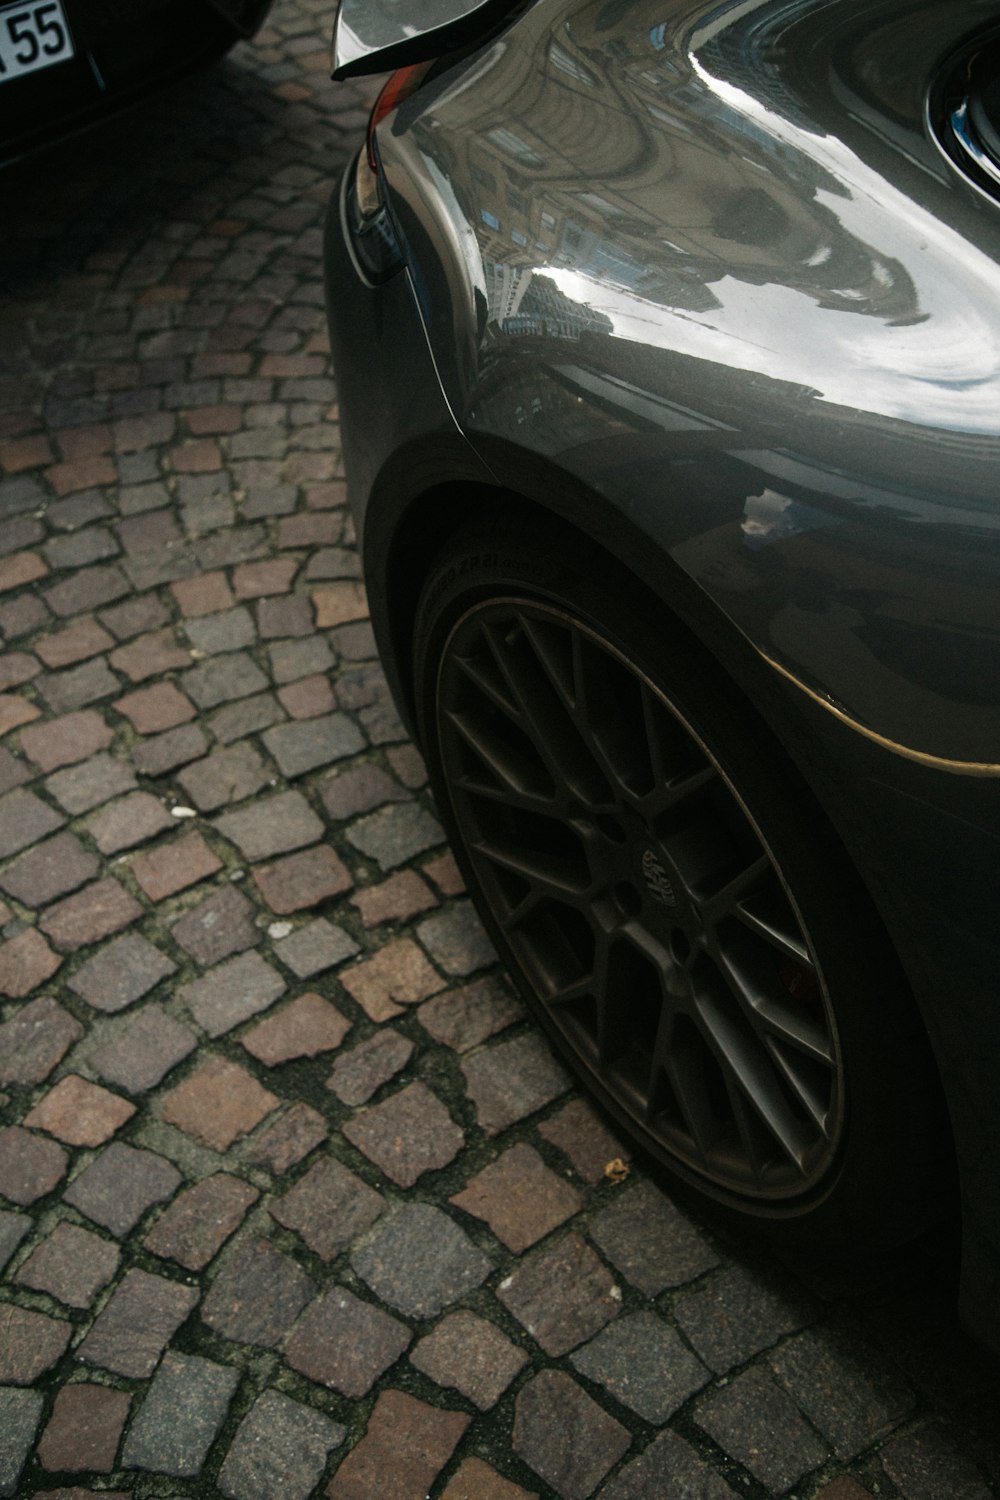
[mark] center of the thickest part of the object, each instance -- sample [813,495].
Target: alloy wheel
[636,895]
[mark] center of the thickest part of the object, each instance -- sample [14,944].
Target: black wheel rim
[635,894]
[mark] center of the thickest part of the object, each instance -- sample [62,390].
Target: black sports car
[66,63]
[668,340]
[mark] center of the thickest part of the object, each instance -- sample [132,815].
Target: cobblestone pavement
[294,1200]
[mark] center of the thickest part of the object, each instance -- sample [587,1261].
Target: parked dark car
[66,63]
[668,341]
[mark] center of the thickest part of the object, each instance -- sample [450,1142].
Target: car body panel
[122,50]
[699,279]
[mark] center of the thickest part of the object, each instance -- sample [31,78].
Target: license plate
[32,36]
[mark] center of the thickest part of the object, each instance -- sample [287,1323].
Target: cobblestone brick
[406,1446]
[302,880]
[15,711]
[173,867]
[564,1435]
[579,1133]
[25,818]
[736,1315]
[475,1480]
[155,709]
[257,1296]
[225,776]
[358,1074]
[308,744]
[21,568]
[396,900]
[132,820]
[282,618]
[642,1479]
[650,1241]
[328,1207]
[279,1451]
[512,1080]
[471,1355]
[358,790]
[345,1343]
[849,1392]
[246,716]
[95,912]
[395,834]
[206,594]
[84,1429]
[221,679]
[644,1364]
[16,667]
[396,976]
[86,786]
[305,1028]
[218,926]
[80,640]
[64,741]
[274,825]
[121,973]
[232,993]
[562,1295]
[34,1040]
[254,580]
[118,1187]
[408,1134]
[144,1052]
[755,1422]
[296,659]
[136,1325]
[50,869]
[180,1417]
[87,590]
[20,1414]
[72,1264]
[419,1261]
[456,940]
[13,772]
[30,1344]
[308,698]
[13,1228]
[290,1139]
[20,616]
[315,947]
[24,963]
[229,631]
[409,766]
[520,1198]
[150,656]
[134,616]
[218,1103]
[928,1465]
[165,752]
[340,604]
[80,1113]
[198,1222]
[30,1167]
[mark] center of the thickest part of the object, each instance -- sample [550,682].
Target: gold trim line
[982,768]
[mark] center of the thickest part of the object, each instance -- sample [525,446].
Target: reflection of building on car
[666,340]
[65,63]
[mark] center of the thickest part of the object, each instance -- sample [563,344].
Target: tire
[667,895]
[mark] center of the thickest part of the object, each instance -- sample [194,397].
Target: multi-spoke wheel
[657,882]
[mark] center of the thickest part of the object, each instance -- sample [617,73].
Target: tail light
[375,241]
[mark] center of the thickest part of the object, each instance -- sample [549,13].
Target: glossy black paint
[710,281]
